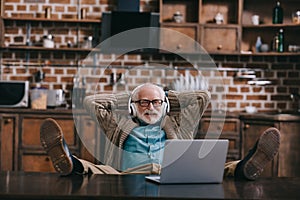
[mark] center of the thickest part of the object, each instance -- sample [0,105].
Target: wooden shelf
[35,48]
[79,50]
[211,25]
[273,54]
[179,24]
[271,26]
[52,20]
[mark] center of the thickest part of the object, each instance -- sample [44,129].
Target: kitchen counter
[269,115]
[272,116]
[20,185]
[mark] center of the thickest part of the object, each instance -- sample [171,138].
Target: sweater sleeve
[111,112]
[186,110]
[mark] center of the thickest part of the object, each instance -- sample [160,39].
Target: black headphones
[132,107]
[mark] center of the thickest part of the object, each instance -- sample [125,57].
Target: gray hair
[135,92]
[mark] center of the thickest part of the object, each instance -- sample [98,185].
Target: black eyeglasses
[146,103]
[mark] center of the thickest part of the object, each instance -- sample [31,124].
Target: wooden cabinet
[287,161]
[21,149]
[235,34]
[8,138]
[228,126]
[215,38]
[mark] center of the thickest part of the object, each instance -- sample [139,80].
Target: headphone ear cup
[133,110]
[167,107]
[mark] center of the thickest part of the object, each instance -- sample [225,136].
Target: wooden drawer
[220,39]
[184,41]
[215,125]
[31,130]
[36,163]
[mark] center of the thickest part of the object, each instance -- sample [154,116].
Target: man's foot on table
[260,155]
[52,140]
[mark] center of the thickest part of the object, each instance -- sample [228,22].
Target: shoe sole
[267,148]
[51,137]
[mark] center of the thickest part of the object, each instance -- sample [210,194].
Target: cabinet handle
[179,46]
[7,121]
[219,47]
[246,126]
[47,159]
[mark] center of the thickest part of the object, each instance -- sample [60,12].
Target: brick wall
[60,67]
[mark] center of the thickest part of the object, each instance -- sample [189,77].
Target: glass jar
[178,17]
[219,18]
[88,42]
[296,17]
[48,41]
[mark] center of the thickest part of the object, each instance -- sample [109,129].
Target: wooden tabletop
[21,185]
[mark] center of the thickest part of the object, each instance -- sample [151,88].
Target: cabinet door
[229,130]
[251,131]
[289,156]
[32,156]
[89,139]
[7,138]
[179,42]
[220,39]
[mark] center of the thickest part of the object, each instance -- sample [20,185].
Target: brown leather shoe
[259,156]
[52,140]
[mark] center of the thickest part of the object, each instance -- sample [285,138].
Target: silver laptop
[192,161]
